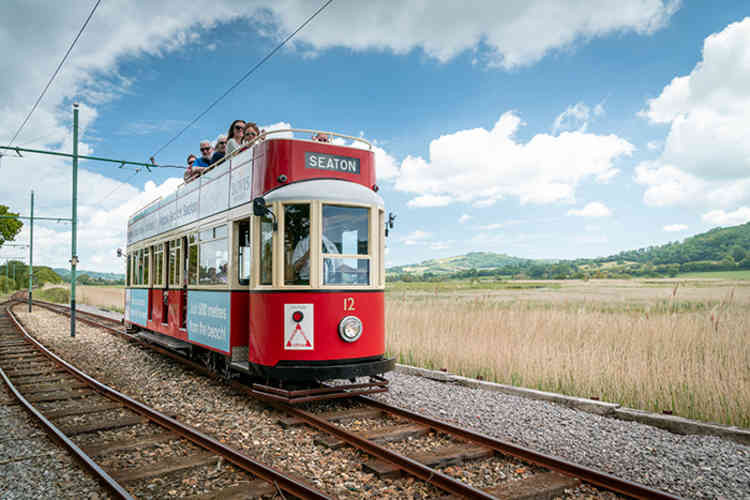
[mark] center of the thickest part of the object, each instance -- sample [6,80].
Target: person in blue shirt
[205,158]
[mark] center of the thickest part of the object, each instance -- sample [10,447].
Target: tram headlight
[350,328]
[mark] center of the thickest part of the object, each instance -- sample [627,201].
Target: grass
[743,274]
[58,295]
[687,356]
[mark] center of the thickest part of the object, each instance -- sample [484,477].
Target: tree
[738,253]
[9,228]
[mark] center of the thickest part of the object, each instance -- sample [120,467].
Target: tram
[270,264]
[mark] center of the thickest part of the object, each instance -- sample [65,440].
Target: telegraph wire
[244,77]
[54,75]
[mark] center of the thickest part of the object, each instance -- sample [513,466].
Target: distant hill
[720,249]
[471,260]
[95,275]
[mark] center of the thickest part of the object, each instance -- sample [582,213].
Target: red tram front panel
[304,160]
[270,343]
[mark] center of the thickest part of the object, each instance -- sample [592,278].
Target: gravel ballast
[688,466]
[32,466]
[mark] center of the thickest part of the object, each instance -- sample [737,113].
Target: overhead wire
[125,182]
[244,77]
[54,75]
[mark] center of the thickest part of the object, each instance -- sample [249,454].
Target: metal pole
[74,219]
[31,250]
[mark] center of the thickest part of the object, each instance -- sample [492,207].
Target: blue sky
[548,130]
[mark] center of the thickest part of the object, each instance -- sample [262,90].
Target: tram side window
[297,244]
[128,260]
[158,265]
[146,265]
[243,253]
[266,251]
[139,267]
[345,245]
[173,268]
[193,259]
[214,256]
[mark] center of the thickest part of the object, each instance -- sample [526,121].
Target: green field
[743,274]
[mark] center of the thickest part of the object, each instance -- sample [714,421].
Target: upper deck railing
[224,184]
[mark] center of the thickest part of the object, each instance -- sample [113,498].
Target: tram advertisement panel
[136,304]
[208,319]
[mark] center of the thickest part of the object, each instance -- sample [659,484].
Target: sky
[534,128]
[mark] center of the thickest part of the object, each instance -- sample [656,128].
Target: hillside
[472,260]
[92,275]
[720,249]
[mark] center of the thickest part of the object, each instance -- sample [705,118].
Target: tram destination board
[336,163]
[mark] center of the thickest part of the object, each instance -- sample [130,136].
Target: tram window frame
[192,258]
[291,275]
[327,259]
[244,252]
[174,263]
[158,262]
[147,266]
[210,240]
[127,271]
[139,267]
[265,252]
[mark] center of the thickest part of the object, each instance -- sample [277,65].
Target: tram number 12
[349,304]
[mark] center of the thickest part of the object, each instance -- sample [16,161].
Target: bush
[58,295]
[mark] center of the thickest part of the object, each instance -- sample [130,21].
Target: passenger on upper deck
[220,149]
[190,171]
[205,159]
[234,136]
[321,137]
[251,132]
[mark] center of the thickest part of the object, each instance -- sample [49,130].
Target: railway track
[391,437]
[131,448]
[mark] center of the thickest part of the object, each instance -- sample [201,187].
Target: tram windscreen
[346,232]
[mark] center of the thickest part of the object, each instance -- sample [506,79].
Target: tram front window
[297,244]
[346,233]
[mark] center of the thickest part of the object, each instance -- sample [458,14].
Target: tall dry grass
[694,363]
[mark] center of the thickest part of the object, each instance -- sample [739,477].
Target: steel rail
[588,475]
[413,467]
[244,462]
[109,483]
[591,476]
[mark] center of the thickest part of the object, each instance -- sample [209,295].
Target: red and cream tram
[269,264]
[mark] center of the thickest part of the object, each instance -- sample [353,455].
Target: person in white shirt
[301,258]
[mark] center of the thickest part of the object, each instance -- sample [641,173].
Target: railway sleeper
[384,435]
[246,489]
[542,486]
[443,457]
[165,466]
[332,416]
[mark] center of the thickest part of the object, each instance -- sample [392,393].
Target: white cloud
[674,228]
[499,31]
[591,228]
[464,218]
[722,218]
[482,166]
[653,145]
[430,200]
[492,227]
[441,245]
[416,237]
[706,155]
[593,209]
[576,117]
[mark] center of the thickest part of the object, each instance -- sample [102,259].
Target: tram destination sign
[335,163]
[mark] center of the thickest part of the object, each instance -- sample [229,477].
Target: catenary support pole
[31,250]
[74,220]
